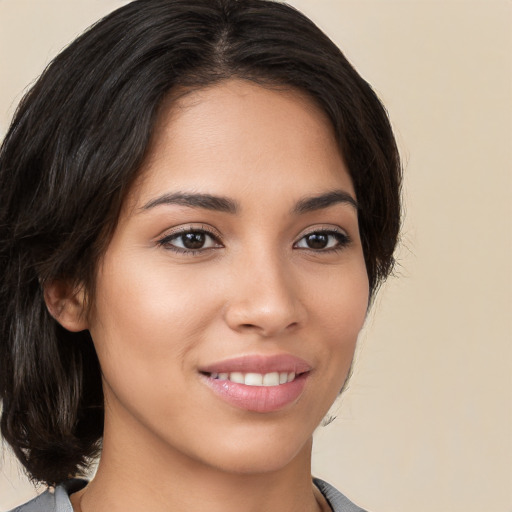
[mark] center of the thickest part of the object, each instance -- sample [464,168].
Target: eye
[323,240]
[190,241]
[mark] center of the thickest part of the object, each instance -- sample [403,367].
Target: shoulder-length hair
[74,148]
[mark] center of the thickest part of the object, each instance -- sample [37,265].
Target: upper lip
[259,364]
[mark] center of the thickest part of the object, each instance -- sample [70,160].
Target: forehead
[238,136]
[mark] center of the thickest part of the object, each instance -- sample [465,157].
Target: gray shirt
[58,501]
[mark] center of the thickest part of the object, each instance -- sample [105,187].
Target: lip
[259,364]
[261,399]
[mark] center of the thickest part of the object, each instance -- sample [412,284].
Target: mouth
[255,379]
[258,383]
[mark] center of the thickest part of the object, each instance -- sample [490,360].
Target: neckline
[74,485]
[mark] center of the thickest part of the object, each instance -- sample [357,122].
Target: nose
[264,297]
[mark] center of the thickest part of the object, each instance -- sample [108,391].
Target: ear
[66,303]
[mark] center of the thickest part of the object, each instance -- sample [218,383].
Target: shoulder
[56,500]
[337,501]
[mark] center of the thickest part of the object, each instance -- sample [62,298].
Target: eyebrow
[206,201]
[226,205]
[310,204]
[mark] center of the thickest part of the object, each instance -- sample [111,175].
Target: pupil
[193,240]
[317,240]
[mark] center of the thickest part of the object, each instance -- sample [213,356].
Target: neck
[149,475]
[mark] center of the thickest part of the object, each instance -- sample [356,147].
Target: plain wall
[426,423]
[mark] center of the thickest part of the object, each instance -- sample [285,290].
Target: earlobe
[66,303]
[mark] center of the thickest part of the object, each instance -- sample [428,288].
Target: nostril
[259,316]
[267,330]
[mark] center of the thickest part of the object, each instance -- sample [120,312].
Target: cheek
[146,320]
[149,307]
[338,312]
[339,301]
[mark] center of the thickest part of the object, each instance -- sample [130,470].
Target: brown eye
[190,241]
[317,240]
[194,240]
[323,241]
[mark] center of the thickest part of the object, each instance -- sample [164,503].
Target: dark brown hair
[74,148]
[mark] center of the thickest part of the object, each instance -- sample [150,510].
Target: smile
[256,379]
[258,383]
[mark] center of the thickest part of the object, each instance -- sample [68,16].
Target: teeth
[271,379]
[256,379]
[253,379]
[237,377]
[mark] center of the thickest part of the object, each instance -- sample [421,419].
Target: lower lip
[258,398]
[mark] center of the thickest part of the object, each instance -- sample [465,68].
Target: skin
[257,287]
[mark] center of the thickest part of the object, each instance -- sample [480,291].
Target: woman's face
[230,298]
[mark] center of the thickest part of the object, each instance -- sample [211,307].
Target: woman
[198,201]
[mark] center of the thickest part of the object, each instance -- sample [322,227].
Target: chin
[248,462]
[266,451]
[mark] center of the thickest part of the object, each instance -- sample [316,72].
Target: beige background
[427,422]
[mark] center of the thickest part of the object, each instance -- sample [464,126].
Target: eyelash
[343,240]
[167,239]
